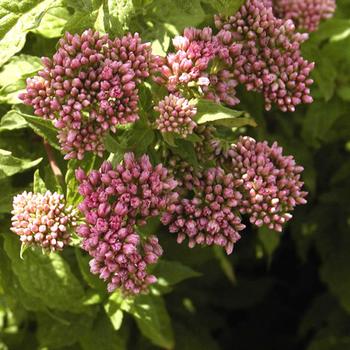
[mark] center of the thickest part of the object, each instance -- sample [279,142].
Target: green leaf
[269,240]
[92,280]
[72,195]
[169,138]
[335,271]
[111,144]
[10,165]
[53,333]
[138,138]
[225,7]
[114,312]
[170,273]
[319,120]
[186,151]
[211,112]
[114,16]
[16,20]
[7,194]
[178,13]
[53,21]
[43,128]
[102,336]
[38,183]
[153,320]
[325,75]
[12,287]
[13,76]
[46,277]
[12,120]
[225,264]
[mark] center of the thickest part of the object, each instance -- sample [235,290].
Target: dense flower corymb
[306,14]
[210,214]
[176,115]
[188,67]
[270,60]
[119,256]
[115,200]
[42,219]
[89,87]
[269,182]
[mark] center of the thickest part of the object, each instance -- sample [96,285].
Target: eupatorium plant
[174,144]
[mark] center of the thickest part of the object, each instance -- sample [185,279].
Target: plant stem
[53,164]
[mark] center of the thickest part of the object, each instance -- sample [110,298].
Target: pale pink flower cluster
[175,115]
[42,219]
[115,200]
[89,87]
[306,14]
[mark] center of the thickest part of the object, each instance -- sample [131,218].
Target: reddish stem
[53,164]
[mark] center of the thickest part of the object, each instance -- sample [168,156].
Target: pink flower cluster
[115,200]
[188,67]
[210,214]
[269,182]
[306,14]
[42,219]
[89,87]
[176,115]
[253,48]
[270,60]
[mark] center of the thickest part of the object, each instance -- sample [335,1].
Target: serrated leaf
[269,240]
[10,165]
[225,264]
[153,320]
[186,151]
[72,195]
[92,280]
[226,7]
[53,21]
[211,112]
[17,19]
[13,75]
[12,287]
[12,120]
[38,183]
[169,273]
[43,128]
[114,312]
[46,277]
[54,334]
[111,144]
[113,16]
[102,336]
[169,138]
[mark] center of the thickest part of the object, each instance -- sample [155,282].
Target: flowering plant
[149,130]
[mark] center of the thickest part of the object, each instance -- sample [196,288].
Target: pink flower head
[189,66]
[209,216]
[270,59]
[42,219]
[306,15]
[116,199]
[269,181]
[89,87]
